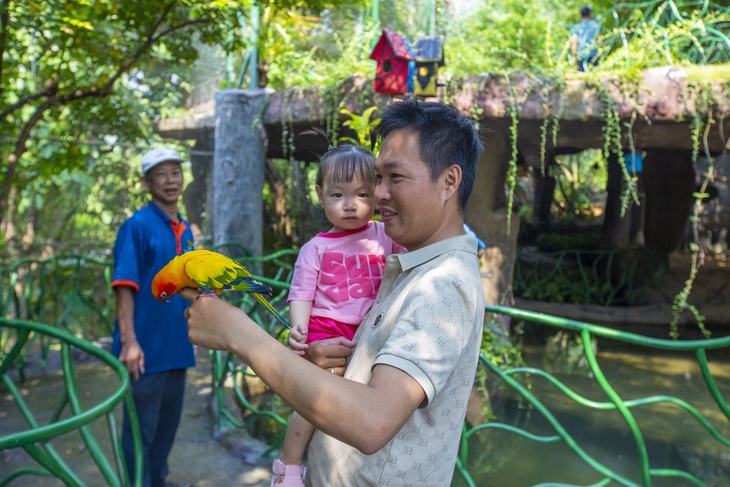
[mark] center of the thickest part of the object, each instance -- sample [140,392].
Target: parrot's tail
[265,303]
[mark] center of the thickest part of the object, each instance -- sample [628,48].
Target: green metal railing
[36,440]
[518,379]
[70,292]
[65,302]
[241,402]
[269,419]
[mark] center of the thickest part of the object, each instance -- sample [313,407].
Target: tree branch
[51,90]
[20,148]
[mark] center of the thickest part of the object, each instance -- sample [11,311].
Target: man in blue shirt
[583,42]
[151,337]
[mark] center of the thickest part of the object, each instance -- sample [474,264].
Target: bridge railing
[521,378]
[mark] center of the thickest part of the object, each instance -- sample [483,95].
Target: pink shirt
[341,272]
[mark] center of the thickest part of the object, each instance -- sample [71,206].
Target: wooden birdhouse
[429,54]
[396,64]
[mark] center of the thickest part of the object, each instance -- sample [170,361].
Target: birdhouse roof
[397,44]
[429,48]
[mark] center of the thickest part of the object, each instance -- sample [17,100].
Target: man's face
[412,206]
[165,182]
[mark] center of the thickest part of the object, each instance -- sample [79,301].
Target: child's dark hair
[344,163]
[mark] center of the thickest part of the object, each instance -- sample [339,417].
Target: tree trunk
[197,191]
[281,224]
[238,169]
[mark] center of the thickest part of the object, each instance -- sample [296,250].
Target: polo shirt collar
[161,213]
[409,259]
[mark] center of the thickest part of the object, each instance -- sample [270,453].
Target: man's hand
[132,356]
[330,354]
[212,322]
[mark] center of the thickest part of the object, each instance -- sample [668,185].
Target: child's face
[347,205]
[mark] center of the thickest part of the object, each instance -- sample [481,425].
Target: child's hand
[298,339]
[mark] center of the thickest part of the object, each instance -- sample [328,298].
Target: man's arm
[365,416]
[131,354]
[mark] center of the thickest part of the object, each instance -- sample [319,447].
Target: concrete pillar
[486,214]
[616,227]
[669,180]
[239,162]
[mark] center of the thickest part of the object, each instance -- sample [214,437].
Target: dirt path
[196,456]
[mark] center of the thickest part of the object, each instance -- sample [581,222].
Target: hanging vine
[612,144]
[511,177]
[681,303]
[332,105]
[551,120]
[286,153]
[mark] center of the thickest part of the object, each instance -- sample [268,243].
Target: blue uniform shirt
[587,31]
[147,241]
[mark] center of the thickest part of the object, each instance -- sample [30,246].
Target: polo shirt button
[377,320]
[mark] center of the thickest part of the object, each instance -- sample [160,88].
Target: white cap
[158,156]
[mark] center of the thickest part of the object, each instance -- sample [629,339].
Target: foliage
[498,348]
[363,126]
[578,179]
[278,35]
[662,33]
[564,239]
[77,78]
[505,36]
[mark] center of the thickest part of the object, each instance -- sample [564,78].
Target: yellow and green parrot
[210,272]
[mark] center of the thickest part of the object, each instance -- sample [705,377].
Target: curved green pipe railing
[230,376]
[587,332]
[64,286]
[37,439]
[278,268]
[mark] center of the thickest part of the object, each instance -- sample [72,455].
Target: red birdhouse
[396,64]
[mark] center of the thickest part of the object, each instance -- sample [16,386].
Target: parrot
[211,273]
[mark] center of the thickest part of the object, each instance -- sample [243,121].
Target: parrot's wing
[214,271]
[250,285]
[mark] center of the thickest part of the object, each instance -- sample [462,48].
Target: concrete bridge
[653,113]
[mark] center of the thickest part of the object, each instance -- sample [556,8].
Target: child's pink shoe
[287,475]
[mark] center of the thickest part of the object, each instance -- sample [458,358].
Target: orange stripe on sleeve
[123,282]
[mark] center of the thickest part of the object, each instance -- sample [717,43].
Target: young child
[336,276]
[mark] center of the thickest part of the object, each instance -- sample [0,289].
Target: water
[673,437]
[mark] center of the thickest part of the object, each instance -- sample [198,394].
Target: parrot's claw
[204,294]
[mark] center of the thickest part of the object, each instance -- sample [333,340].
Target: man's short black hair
[446,137]
[585,11]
